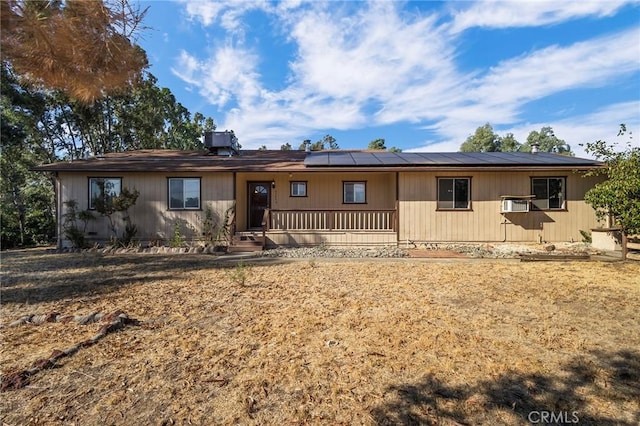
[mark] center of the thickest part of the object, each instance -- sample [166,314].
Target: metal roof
[450,159]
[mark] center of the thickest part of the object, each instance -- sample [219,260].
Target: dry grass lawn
[323,341]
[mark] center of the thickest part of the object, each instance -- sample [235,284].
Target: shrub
[72,231]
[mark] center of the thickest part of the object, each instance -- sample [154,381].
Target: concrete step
[245,243]
[244,248]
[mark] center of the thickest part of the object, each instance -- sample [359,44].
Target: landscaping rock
[323,252]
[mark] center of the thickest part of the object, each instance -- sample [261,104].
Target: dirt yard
[314,341]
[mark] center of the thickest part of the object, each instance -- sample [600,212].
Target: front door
[259,200]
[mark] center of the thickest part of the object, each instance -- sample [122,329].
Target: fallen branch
[56,317]
[18,379]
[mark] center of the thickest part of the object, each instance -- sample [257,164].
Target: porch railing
[330,220]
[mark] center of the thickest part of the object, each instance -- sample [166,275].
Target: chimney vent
[535,148]
[221,143]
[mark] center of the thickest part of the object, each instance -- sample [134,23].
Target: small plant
[586,236]
[72,230]
[128,237]
[177,240]
[312,263]
[239,274]
[214,229]
[107,206]
[76,236]
[209,225]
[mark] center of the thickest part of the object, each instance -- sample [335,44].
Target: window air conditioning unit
[515,206]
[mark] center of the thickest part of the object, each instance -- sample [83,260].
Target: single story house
[338,198]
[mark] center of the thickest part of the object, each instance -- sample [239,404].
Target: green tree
[547,141]
[26,197]
[262,148]
[305,143]
[83,48]
[108,206]
[45,126]
[619,196]
[285,147]
[483,140]
[151,118]
[144,117]
[377,145]
[486,140]
[508,143]
[326,143]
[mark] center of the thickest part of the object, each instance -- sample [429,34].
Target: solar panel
[341,159]
[390,159]
[317,159]
[366,159]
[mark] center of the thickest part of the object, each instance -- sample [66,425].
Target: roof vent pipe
[535,148]
[307,147]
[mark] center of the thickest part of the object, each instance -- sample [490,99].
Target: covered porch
[330,227]
[311,209]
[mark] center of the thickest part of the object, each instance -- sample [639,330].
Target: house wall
[150,213]
[421,222]
[324,191]
[418,219]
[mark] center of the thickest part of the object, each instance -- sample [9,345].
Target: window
[103,189]
[454,193]
[184,193]
[549,192]
[298,189]
[354,192]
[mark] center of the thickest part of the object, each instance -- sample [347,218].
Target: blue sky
[422,75]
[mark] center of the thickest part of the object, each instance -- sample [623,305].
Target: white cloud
[499,96]
[504,14]
[227,13]
[204,11]
[598,125]
[372,54]
[186,68]
[379,65]
[553,69]
[343,62]
[229,74]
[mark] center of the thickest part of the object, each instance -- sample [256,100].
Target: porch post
[58,197]
[396,214]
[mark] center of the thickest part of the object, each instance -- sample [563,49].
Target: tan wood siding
[418,218]
[151,213]
[324,191]
[420,221]
[331,239]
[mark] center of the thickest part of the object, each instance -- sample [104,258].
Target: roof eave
[318,169]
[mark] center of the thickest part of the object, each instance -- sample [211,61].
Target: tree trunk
[17,202]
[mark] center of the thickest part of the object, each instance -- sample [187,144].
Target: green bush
[586,236]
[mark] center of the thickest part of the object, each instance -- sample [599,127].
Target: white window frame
[354,192]
[93,185]
[444,204]
[543,203]
[298,188]
[184,191]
